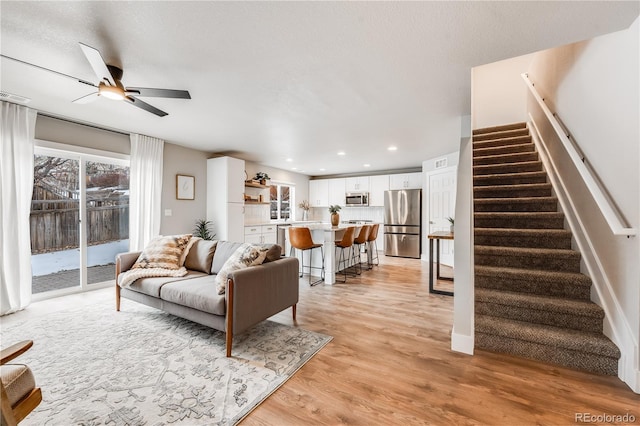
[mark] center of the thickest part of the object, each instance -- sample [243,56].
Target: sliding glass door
[79,219]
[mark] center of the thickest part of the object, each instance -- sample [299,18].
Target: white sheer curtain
[16,185]
[145,190]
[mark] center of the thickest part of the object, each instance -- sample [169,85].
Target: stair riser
[531,315]
[534,286]
[497,169]
[509,158]
[569,358]
[500,135]
[507,206]
[489,180]
[547,241]
[513,126]
[509,192]
[501,142]
[502,150]
[533,261]
[521,223]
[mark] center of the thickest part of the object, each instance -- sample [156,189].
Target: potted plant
[262,177]
[451,220]
[304,205]
[335,216]
[203,229]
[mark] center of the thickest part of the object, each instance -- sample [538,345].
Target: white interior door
[442,204]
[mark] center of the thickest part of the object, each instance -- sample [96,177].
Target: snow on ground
[63,260]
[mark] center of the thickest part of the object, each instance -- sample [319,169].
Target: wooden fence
[54,223]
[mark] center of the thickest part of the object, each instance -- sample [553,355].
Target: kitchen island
[327,235]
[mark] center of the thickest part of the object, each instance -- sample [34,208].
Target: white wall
[594,87]
[184,213]
[498,94]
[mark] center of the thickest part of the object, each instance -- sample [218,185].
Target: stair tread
[513,200]
[522,232]
[523,215]
[539,302]
[492,129]
[576,340]
[514,251]
[504,141]
[495,148]
[507,165]
[506,156]
[513,187]
[501,134]
[576,278]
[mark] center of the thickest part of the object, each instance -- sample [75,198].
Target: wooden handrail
[608,208]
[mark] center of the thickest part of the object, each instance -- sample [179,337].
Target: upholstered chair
[300,239]
[19,392]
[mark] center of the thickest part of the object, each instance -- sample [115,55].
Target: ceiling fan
[110,85]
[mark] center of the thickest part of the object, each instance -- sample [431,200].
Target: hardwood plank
[390,363]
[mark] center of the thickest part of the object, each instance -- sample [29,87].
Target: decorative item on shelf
[335,216]
[262,177]
[451,220]
[304,205]
[203,229]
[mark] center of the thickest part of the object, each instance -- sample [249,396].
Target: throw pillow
[246,255]
[201,255]
[163,252]
[187,249]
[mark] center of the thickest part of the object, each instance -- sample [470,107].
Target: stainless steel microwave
[356,199]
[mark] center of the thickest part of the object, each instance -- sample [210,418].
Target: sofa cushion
[197,293]
[151,286]
[224,250]
[245,256]
[163,252]
[274,252]
[200,256]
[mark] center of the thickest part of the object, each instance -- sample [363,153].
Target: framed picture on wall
[185,187]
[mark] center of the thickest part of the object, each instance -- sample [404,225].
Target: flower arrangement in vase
[451,221]
[305,206]
[335,216]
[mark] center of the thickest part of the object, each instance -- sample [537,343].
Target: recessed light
[288,160]
[366,165]
[342,153]
[392,148]
[294,168]
[323,169]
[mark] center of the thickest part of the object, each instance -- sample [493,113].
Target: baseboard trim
[463,343]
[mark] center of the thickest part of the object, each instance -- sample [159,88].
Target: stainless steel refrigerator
[402,222]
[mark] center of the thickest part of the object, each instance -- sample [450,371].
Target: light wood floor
[390,363]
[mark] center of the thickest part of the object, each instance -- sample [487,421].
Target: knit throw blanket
[128,277]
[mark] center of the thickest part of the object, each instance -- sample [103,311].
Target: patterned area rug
[141,366]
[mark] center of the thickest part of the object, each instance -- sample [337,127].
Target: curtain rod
[68,120]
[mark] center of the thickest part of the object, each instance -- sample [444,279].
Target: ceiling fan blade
[145,106]
[97,63]
[159,93]
[88,98]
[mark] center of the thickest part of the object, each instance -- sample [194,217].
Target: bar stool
[346,243]
[300,238]
[362,238]
[372,240]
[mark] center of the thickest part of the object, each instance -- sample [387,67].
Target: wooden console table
[440,235]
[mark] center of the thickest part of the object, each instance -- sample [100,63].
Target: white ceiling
[300,80]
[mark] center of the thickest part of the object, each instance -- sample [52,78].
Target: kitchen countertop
[287,223]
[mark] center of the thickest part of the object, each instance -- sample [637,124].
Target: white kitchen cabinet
[377,186]
[357,184]
[406,181]
[225,197]
[336,191]
[260,234]
[319,193]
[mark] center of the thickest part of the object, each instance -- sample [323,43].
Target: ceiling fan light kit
[110,85]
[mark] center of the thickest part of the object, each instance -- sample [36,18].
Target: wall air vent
[5,96]
[441,162]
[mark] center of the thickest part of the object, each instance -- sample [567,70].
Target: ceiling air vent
[5,96]
[440,163]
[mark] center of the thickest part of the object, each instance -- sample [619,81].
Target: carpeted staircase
[530,298]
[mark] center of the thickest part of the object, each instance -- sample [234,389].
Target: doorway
[79,220]
[442,204]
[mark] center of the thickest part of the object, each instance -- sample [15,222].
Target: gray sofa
[252,295]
